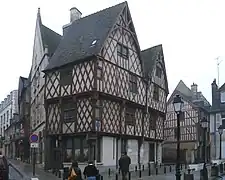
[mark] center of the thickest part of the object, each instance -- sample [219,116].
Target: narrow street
[13,174]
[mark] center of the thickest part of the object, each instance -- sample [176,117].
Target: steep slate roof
[222,88]
[23,83]
[149,57]
[187,94]
[50,38]
[76,43]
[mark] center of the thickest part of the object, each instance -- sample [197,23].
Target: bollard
[59,176]
[109,172]
[129,176]
[181,167]
[156,170]
[188,176]
[224,166]
[119,170]
[149,169]
[116,176]
[170,168]
[140,173]
[164,169]
[65,172]
[221,168]
[135,168]
[143,167]
[101,177]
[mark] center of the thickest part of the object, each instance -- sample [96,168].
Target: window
[158,71]
[222,97]
[68,110]
[122,51]
[98,110]
[130,116]
[175,132]
[133,83]
[66,77]
[153,119]
[156,93]
[69,149]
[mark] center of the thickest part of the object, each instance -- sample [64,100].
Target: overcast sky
[191,31]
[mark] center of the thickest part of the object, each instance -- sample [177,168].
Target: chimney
[194,88]
[215,95]
[75,14]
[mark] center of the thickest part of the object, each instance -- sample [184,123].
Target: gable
[85,37]
[121,46]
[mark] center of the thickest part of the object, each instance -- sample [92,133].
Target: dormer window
[158,72]
[122,51]
[222,97]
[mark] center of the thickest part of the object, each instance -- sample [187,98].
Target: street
[13,174]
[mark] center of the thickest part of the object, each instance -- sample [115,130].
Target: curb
[16,169]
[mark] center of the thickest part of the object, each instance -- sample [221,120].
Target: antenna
[219,60]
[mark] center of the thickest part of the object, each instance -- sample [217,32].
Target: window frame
[66,76]
[72,109]
[222,96]
[120,51]
[156,92]
[130,118]
[133,83]
[158,72]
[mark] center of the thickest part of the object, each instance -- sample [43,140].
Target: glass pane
[68,155]
[97,113]
[99,73]
[69,143]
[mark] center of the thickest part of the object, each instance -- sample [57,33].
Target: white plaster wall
[132,150]
[11,105]
[109,151]
[158,150]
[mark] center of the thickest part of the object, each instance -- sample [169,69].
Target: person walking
[124,164]
[90,171]
[75,172]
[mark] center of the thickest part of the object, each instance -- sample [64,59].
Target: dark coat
[77,171]
[124,163]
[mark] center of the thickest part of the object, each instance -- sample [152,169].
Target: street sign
[34,145]
[33,138]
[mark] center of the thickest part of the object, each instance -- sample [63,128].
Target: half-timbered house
[103,95]
[45,43]
[195,108]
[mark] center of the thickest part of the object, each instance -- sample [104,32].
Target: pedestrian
[124,163]
[90,171]
[75,172]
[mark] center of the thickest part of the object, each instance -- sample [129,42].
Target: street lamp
[220,130]
[178,104]
[204,124]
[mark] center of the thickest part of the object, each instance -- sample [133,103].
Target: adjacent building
[217,118]
[7,108]
[45,43]
[103,95]
[192,134]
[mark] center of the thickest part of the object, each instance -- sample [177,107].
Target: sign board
[34,145]
[33,138]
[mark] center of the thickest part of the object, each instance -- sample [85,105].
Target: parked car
[4,168]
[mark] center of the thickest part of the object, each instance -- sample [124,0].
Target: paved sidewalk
[26,171]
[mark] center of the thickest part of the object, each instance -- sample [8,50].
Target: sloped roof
[149,57]
[186,92]
[222,88]
[77,42]
[50,38]
[23,83]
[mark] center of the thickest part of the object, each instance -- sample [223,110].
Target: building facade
[23,123]
[103,95]
[217,118]
[196,107]
[45,42]
[7,108]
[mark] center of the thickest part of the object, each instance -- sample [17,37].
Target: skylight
[93,42]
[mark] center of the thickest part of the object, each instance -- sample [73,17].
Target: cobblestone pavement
[13,174]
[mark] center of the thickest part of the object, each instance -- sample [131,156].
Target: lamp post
[220,130]
[204,124]
[178,104]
